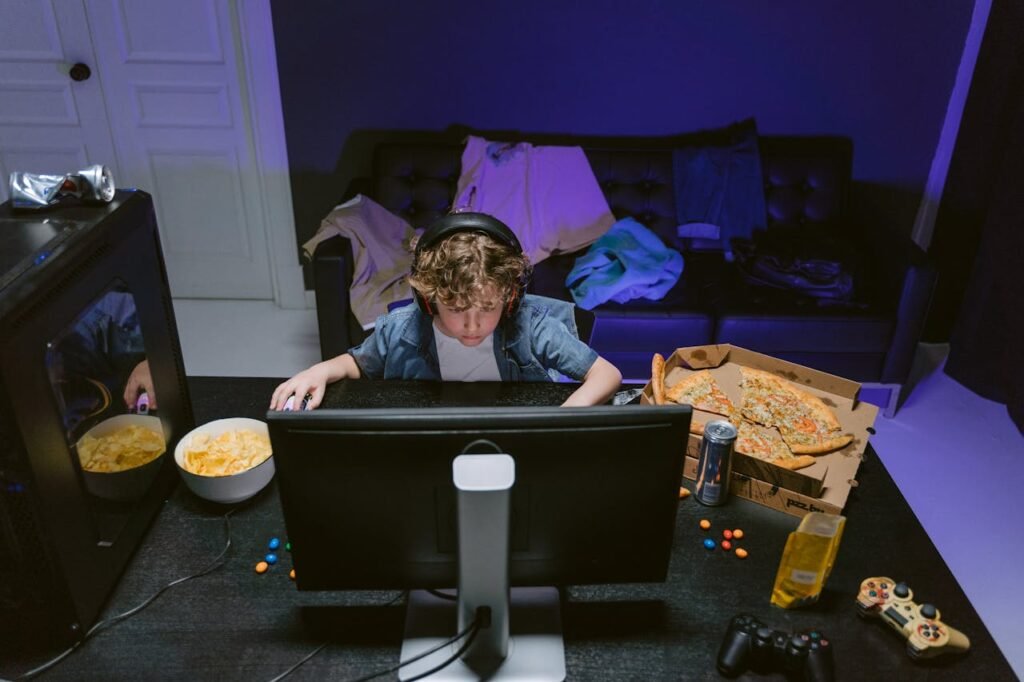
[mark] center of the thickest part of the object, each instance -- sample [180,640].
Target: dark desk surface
[236,625]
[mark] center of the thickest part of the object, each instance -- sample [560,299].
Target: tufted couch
[807,182]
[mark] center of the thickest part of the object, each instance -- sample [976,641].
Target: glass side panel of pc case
[107,400]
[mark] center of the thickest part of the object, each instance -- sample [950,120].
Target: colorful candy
[271,558]
[274,543]
[262,567]
[683,493]
[726,545]
[727,534]
[291,574]
[741,553]
[705,524]
[737,533]
[709,544]
[288,546]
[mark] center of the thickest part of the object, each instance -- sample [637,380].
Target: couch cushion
[638,184]
[847,340]
[416,182]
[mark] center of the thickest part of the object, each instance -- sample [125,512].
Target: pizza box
[823,486]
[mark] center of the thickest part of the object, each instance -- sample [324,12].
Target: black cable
[103,624]
[443,595]
[470,630]
[317,650]
[295,667]
[454,657]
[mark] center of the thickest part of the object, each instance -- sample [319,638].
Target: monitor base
[535,649]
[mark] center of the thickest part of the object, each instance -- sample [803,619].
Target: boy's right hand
[310,382]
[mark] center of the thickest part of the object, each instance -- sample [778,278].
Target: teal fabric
[627,262]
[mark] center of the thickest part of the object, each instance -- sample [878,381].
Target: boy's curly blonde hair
[463,271]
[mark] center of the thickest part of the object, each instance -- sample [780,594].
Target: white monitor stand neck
[523,639]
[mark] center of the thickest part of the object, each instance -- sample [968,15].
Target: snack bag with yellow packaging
[807,560]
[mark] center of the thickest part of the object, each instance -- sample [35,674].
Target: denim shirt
[537,344]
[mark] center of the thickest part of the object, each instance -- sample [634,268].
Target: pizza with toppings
[805,423]
[766,443]
[778,422]
[700,390]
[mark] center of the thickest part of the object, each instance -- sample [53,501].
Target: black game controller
[750,645]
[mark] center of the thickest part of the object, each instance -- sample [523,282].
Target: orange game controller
[927,636]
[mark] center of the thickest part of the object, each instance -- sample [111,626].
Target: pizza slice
[806,423]
[766,443]
[702,392]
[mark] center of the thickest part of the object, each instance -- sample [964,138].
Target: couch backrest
[806,181]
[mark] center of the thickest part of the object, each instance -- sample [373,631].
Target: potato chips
[126,448]
[231,452]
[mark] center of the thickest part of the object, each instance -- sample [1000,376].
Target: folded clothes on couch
[382,260]
[547,194]
[718,183]
[627,262]
[799,263]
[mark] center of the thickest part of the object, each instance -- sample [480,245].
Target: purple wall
[879,72]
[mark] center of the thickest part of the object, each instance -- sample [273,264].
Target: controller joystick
[921,625]
[750,645]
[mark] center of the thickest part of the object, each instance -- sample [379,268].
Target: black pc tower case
[85,311]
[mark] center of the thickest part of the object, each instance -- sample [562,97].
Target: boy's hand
[139,381]
[310,382]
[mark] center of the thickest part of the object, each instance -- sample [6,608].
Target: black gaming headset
[468,222]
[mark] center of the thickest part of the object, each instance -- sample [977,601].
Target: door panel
[49,123]
[183,128]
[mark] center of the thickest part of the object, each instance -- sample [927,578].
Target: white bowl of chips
[227,460]
[121,456]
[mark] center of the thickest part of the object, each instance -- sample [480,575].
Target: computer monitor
[369,499]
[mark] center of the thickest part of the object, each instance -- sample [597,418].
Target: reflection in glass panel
[104,390]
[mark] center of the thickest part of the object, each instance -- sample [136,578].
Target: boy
[471,321]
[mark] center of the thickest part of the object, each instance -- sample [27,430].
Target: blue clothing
[537,344]
[721,184]
[626,262]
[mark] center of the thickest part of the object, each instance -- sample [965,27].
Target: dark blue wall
[879,72]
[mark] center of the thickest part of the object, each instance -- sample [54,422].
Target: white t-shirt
[464,363]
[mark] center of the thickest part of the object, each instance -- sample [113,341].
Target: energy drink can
[714,465]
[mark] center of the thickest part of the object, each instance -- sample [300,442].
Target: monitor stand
[523,640]
[535,647]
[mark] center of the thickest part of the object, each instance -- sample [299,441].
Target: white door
[49,123]
[176,116]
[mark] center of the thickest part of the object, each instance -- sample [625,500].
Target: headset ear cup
[423,303]
[513,304]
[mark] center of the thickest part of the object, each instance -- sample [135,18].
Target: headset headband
[467,222]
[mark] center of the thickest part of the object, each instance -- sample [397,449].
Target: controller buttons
[823,642]
[872,593]
[871,583]
[884,586]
